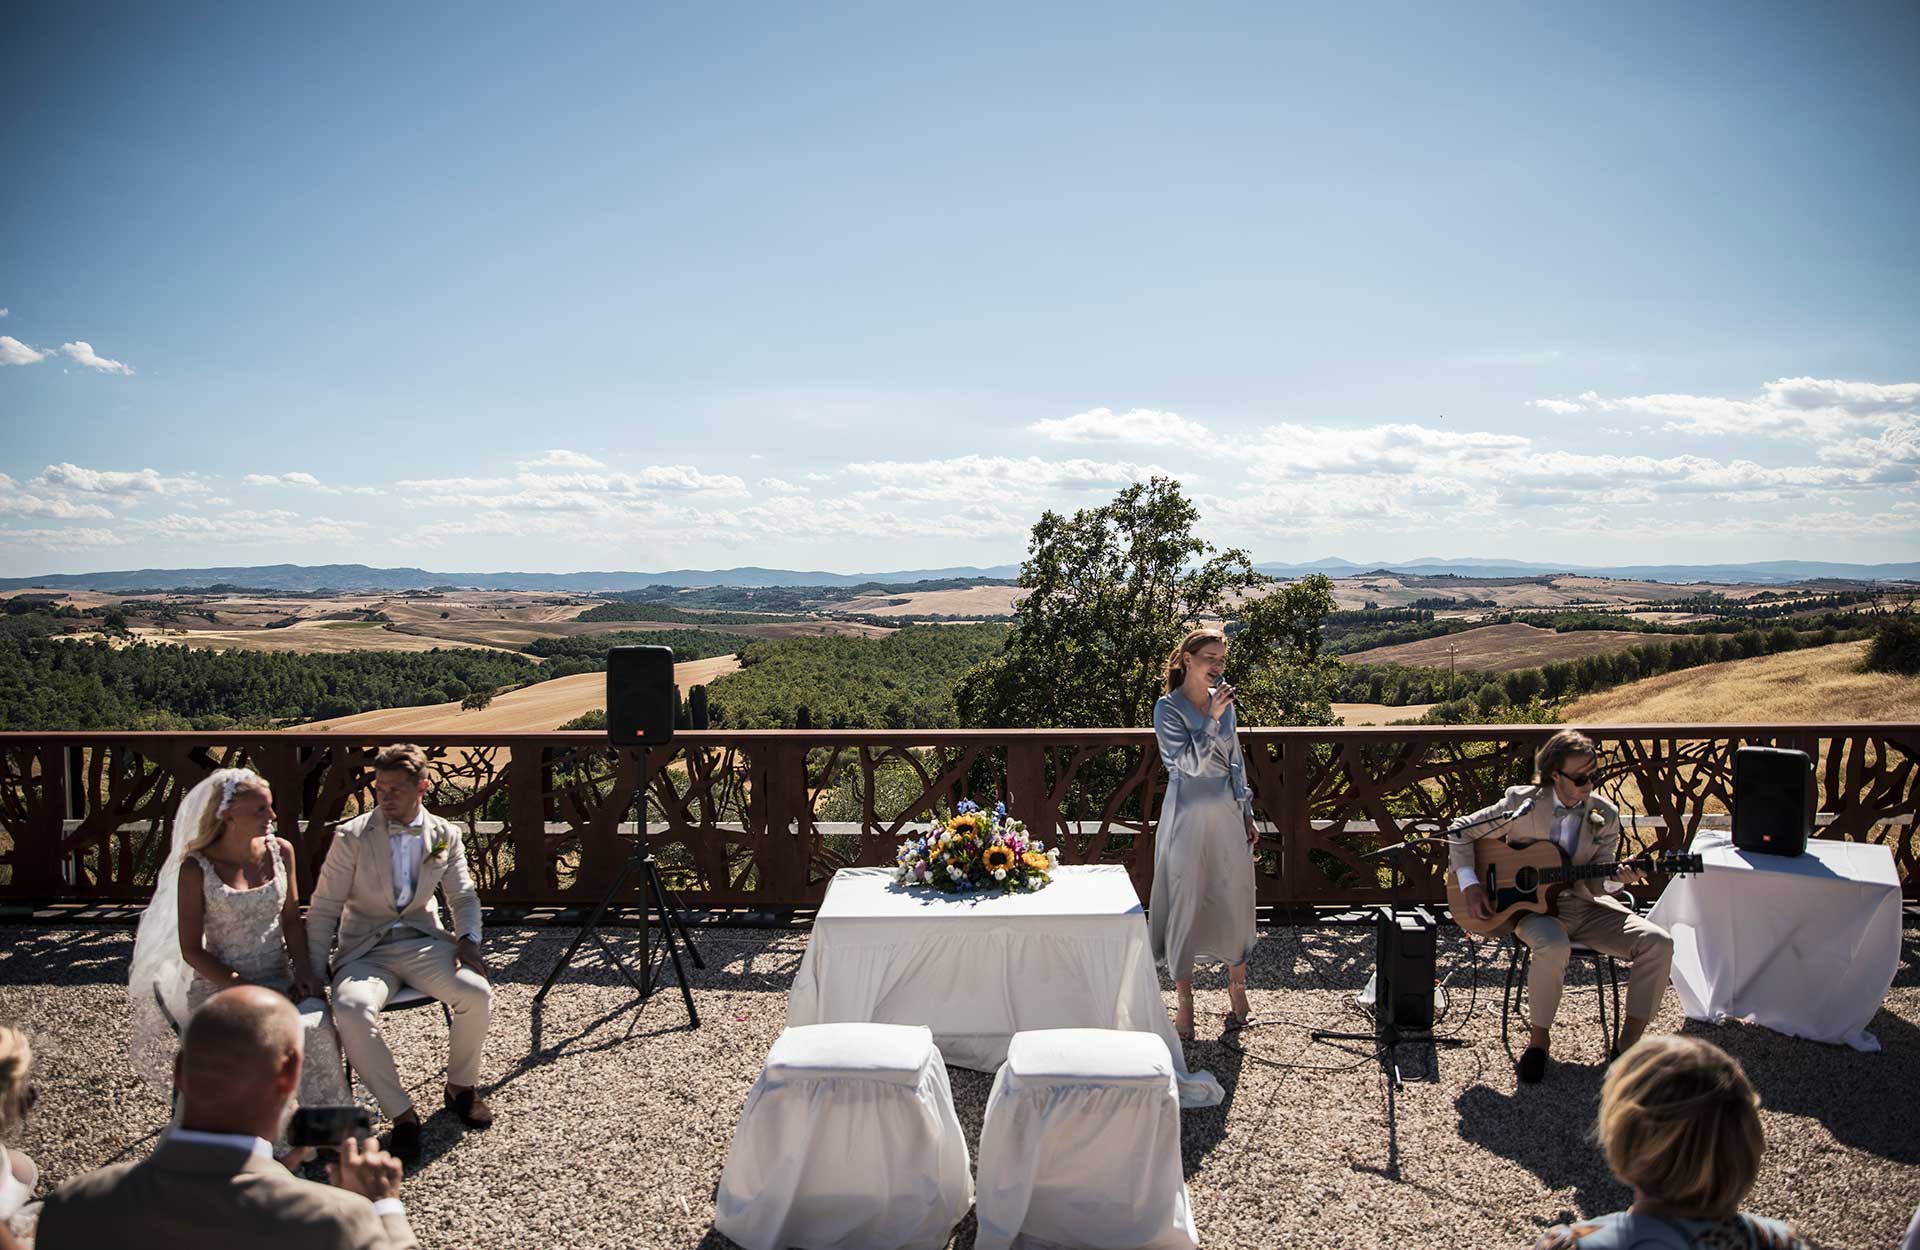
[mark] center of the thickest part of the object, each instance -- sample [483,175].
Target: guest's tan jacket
[354,896]
[192,1195]
[1599,840]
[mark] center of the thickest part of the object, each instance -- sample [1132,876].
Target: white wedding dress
[243,931]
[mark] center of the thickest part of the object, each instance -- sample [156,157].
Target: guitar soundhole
[1526,879]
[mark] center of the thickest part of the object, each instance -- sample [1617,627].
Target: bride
[226,912]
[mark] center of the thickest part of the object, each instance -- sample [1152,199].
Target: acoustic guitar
[1529,877]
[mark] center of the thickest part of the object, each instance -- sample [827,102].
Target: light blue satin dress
[1203,889]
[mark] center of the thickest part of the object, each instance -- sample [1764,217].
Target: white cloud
[1861,399]
[1137,425]
[559,457]
[570,492]
[14,352]
[1806,408]
[81,352]
[126,486]
[5,312]
[299,480]
[71,539]
[16,502]
[1563,407]
[781,487]
[454,485]
[1294,451]
[276,525]
[939,480]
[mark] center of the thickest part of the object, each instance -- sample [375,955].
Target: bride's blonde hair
[229,784]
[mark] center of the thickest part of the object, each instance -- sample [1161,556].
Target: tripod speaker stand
[642,703]
[1403,976]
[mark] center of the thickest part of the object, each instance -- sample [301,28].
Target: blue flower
[964,806]
[1000,811]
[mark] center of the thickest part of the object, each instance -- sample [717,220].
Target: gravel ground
[614,1123]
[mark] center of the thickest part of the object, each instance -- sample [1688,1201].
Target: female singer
[1202,861]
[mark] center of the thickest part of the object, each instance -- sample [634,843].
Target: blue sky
[865,288]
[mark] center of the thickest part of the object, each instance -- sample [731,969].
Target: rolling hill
[1818,684]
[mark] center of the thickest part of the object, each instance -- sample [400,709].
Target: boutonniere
[1595,817]
[437,848]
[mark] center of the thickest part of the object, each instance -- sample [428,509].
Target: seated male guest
[213,1180]
[1586,826]
[376,892]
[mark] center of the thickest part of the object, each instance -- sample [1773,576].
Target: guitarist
[1587,827]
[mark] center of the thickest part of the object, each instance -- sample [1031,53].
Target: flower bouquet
[975,850]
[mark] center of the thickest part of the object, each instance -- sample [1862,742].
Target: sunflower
[1036,861]
[964,823]
[996,857]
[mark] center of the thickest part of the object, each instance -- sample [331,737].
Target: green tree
[1275,664]
[476,700]
[1110,592]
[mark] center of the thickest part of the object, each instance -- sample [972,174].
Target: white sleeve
[1467,877]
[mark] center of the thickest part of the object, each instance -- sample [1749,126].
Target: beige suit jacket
[1599,840]
[190,1195]
[354,896]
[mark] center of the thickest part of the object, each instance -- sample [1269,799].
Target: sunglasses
[1579,779]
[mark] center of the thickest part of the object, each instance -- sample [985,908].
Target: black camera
[326,1127]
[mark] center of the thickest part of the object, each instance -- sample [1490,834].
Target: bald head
[239,1060]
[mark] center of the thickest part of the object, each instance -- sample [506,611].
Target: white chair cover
[1081,1146]
[848,1141]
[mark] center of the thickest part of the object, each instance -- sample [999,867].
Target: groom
[376,888]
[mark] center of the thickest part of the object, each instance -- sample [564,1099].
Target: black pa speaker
[1772,800]
[642,700]
[1403,949]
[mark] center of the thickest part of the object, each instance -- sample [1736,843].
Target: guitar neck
[1577,872]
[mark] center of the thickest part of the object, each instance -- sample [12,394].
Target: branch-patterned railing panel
[761,819]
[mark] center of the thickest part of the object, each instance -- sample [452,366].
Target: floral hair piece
[231,786]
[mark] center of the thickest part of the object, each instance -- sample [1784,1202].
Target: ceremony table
[976,969]
[1806,945]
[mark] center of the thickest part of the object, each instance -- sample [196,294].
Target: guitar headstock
[1679,863]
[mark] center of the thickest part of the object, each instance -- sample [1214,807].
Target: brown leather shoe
[469,1106]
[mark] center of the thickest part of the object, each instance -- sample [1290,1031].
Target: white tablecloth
[1805,945]
[978,969]
[1081,1146]
[847,1141]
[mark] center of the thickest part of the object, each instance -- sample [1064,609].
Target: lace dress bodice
[242,928]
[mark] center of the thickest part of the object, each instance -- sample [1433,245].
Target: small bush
[1896,646]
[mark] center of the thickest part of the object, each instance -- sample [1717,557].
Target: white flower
[999,874]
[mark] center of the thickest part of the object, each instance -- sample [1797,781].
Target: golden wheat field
[1818,684]
[972,601]
[1502,648]
[543,706]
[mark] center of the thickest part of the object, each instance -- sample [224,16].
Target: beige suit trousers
[1606,926]
[361,988]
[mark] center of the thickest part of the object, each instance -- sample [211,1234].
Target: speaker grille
[641,698]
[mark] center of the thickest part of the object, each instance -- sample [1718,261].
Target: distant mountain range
[1765,572]
[360,577]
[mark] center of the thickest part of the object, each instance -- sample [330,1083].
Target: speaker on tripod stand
[642,706]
